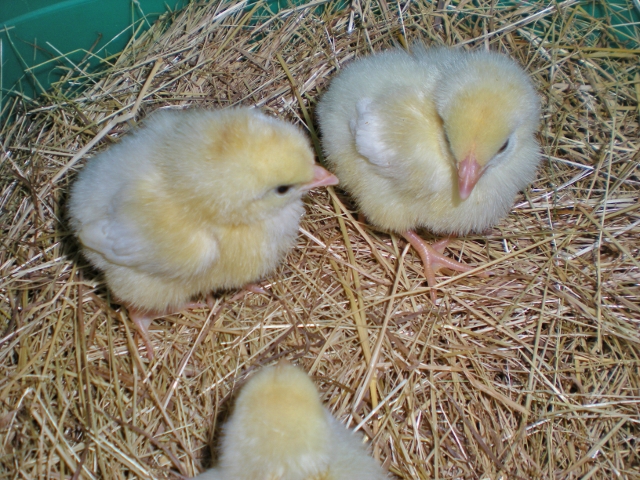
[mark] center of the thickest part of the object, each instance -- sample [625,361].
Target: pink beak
[469,172]
[321,178]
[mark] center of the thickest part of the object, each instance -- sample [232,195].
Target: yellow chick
[195,201]
[441,139]
[279,430]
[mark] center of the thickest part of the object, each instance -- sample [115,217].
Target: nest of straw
[532,372]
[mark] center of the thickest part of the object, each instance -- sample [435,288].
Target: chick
[279,430]
[441,139]
[195,201]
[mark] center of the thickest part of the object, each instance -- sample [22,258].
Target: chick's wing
[367,128]
[150,235]
[117,241]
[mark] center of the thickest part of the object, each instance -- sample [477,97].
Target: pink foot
[256,288]
[208,303]
[249,288]
[440,245]
[433,258]
[142,319]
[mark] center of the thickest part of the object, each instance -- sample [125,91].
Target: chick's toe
[433,259]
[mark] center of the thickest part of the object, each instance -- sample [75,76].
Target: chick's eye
[282,189]
[504,147]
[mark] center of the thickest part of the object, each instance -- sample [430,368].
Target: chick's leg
[433,258]
[142,320]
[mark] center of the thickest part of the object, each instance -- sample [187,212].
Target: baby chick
[195,201]
[441,139]
[280,430]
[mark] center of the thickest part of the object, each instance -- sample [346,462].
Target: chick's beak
[321,178]
[469,172]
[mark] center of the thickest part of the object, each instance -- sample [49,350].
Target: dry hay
[530,373]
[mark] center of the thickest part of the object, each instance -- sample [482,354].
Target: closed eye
[504,147]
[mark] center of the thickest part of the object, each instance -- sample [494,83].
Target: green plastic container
[34,34]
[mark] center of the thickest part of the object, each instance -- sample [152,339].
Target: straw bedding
[530,373]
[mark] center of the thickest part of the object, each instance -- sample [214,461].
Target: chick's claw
[433,259]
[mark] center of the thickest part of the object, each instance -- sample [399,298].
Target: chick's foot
[433,259]
[142,319]
[254,288]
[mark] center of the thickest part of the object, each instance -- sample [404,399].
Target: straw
[532,372]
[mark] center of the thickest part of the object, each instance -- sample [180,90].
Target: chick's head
[278,427]
[280,411]
[252,166]
[489,109]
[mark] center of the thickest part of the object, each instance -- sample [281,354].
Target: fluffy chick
[441,139]
[195,201]
[279,430]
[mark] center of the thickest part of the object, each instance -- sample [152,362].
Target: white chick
[279,430]
[441,139]
[195,201]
